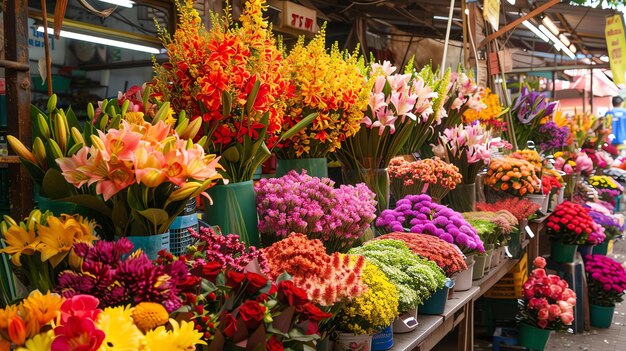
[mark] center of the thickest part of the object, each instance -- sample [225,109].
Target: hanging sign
[299,17]
[616,46]
[491,12]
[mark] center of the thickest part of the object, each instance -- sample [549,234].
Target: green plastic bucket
[601,316]
[562,253]
[533,338]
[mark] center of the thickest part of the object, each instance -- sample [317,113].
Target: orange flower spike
[17,330]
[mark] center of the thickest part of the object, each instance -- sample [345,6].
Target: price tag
[529,232]
[507,252]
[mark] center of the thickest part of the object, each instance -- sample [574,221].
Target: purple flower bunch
[118,281]
[228,250]
[596,237]
[311,206]
[606,280]
[551,137]
[611,225]
[419,214]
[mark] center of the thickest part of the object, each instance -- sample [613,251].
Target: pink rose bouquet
[606,279]
[548,303]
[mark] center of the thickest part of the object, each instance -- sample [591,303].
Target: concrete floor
[611,339]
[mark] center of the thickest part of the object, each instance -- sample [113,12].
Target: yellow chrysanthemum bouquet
[375,309]
[42,246]
[329,83]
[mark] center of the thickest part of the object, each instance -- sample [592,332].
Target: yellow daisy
[121,332]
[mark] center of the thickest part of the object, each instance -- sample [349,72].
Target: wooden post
[18,102]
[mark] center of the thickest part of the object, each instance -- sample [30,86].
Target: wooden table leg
[466,329]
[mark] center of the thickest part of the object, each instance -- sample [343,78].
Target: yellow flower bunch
[604,182]
[375,309]
[122,332]
[42,242]
[531,156]
[493,111]
[329,83]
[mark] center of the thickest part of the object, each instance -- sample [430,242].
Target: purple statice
[550,137]
[228,250]
[419,214]
[312,206]
[611,225]
[116,281]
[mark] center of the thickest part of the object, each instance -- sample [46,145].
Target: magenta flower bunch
[116,280]
[419,214]
[606,280]
[228,250]
[303,204]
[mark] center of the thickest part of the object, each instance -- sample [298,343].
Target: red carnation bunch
[570,223]
[445,255]
[327,279]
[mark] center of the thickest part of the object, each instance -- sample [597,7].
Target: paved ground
[611,339]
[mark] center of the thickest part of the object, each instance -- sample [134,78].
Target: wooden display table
[459,311]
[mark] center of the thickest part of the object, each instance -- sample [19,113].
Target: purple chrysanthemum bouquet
[311,206]
[118,281]
[611,225]
[606,279]
[551,137]
[419,214]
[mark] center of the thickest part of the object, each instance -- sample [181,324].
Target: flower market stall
[198,210]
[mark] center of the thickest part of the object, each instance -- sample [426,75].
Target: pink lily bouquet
[465,146]
[139,176]
[396,102]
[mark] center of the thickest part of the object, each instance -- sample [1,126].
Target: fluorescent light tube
[441,18]
[557,43]
[550,25]
[564,39]
[512,2]
[536,31]
[105,41]
[124,3]
[573,48]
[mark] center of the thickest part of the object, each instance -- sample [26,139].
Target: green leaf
[298,126]
[55,186]
[252,96]
[115,122]
[119,214]
[33,170]
[227,102]
[90,201]
[72,121]
[74,149]
[156,216]
[207,287]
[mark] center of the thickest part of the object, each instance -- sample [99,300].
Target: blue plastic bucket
[151,244]
[180,238]
[383,340]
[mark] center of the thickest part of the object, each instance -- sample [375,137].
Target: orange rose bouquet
[512,175]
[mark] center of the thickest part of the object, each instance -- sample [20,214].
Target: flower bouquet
[374,310]
[235,79]
[466,148]
[551,180]
[606,283]
[329,84]
[415,278]
[548,304]
[413,178]
[606,279]
[139,176]
[612,229]
[107,272]
[428,107]
[311,206]
[494,228]
[246,310]
[490,116]
[522,209]
[419,214]
[528,110]
[445,255]
[513,176]
[531,156]
[551,137]
[606,186]
[42,246]
[326,279]
[229,250]
[50,322]
[463,95]
[386,127]
[569,225]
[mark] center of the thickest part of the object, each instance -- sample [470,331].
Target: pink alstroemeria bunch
[141,176]
[548,302]
[464,146]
